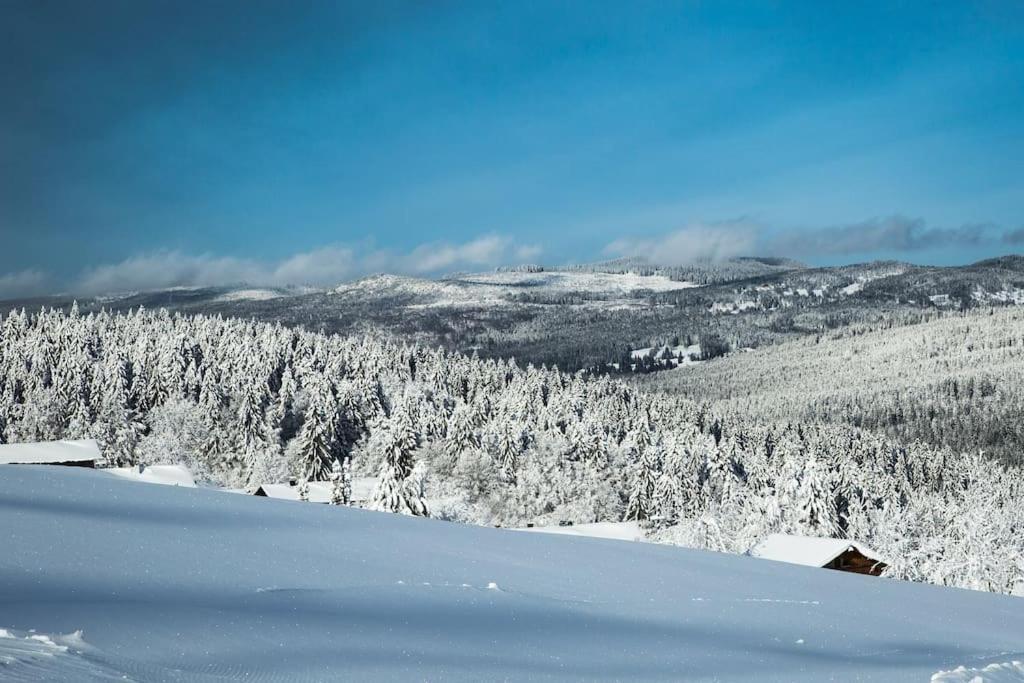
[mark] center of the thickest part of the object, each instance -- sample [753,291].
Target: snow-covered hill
[505,288]
[107,579]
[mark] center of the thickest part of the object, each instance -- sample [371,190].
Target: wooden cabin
[84,453]
[853,560]
[828,553]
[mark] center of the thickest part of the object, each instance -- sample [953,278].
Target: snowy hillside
[106,579]
[507,287]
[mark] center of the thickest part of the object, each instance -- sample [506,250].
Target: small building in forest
[829,553]
[319,491]
[84,453]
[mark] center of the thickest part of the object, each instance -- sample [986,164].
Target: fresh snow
[162,583]
[501,288]
[29,656]
[617,531]
[173,475]
[250,295]
[606,283]
[1005,672]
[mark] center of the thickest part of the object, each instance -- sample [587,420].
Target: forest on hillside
[950,379]
[490,442]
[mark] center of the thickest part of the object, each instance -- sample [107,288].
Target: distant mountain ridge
[592,316]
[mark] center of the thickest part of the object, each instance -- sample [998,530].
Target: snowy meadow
[117,580]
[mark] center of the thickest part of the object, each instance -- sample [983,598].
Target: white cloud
[489,250]
[23,283]
[697,242]
[327,265]
[716,241]
[163,269]
[324,266]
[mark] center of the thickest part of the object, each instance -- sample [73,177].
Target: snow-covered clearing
[501,289]
[250,295]
[163,583]
[618,531]
[172,475]
[570,281]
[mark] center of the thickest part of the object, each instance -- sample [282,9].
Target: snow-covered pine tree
[509,446]
[815,500]
[346,480]
[394,493]
[316,439]
[251,424]
[642,483]
[338,496]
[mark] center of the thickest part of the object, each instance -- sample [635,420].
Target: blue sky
[158,143]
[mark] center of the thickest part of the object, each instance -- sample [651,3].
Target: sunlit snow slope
[102,578]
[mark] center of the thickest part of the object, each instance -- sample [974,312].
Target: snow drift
[164,583]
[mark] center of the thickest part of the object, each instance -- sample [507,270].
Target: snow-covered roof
[174,475]
[49,452]
[809,551]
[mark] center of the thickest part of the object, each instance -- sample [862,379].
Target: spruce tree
[316,439]
[394,492]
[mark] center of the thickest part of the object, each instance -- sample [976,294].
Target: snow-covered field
[619,531]
[501,288]
[107,579]
[250,295]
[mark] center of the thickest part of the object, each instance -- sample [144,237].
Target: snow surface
[808,551]
[163,583]
[1006,672]
[173,475]
[569,281]
[250,295]
[618,531]
[49,452]
[501,288]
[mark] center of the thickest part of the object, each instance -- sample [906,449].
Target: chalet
[85,453]
[828,553]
